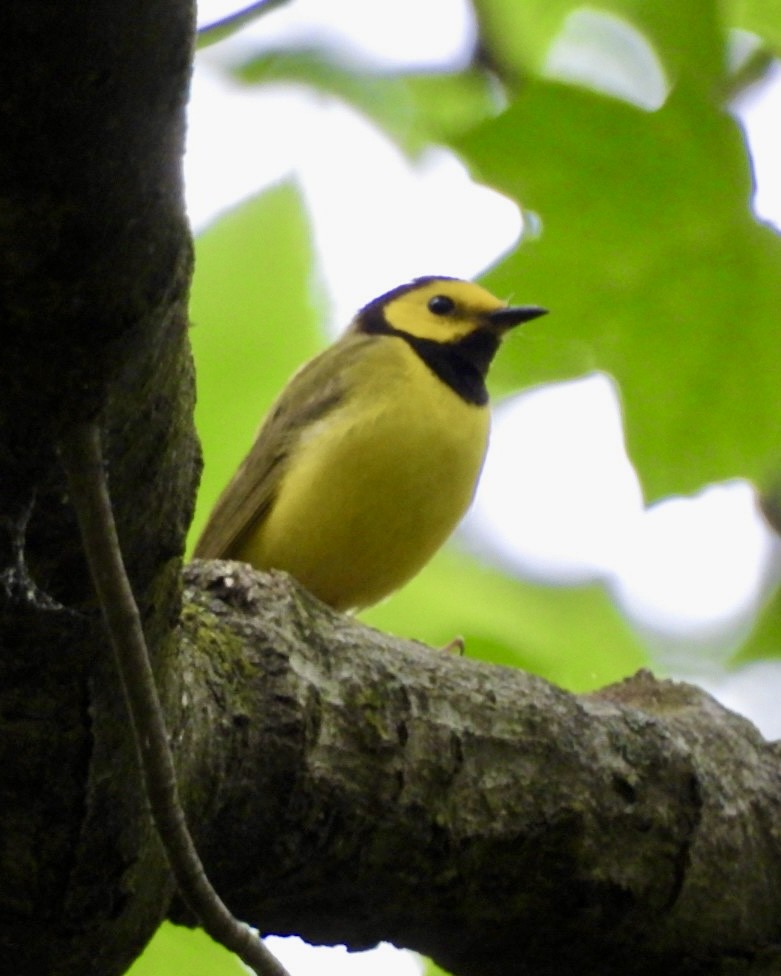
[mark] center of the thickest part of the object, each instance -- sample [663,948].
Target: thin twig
[221,29]
[82,459]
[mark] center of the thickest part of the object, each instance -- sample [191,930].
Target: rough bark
[358,788]
[94,270]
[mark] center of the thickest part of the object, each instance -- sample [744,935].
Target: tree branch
[225,27]
[380,789]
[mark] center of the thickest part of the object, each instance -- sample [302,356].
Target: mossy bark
[94,272]
[366,788]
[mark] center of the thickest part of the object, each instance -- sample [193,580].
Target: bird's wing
[316,389]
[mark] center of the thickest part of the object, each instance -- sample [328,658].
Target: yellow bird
[371,455]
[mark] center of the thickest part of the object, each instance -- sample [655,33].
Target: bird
[372,453]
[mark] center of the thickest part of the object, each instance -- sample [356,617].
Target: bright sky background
[685,567]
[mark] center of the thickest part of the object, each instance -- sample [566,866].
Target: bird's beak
[511,315]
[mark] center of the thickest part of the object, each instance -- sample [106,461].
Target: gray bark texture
[341,784]
[378,789]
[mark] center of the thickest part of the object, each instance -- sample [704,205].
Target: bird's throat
[461,365]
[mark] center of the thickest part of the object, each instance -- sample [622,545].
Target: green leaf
[432,969]
[654,270]
[763,643]
[518,35]
[415,109]
[761,17]
[177,951]
[254,322]
[687,36]
[447,105]
[573,636]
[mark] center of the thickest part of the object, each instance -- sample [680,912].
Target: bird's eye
[441,305]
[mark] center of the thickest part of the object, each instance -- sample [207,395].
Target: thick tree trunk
[94,270]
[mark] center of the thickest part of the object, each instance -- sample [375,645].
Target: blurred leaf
[654,270]
[686,35]
[178,951]
[254,323]
[515,35]
[770,502]
[764,641]
[415,109]
[446,105]
[761,17]
[432,969]
[573,636]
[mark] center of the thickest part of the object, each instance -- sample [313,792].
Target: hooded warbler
[371,455]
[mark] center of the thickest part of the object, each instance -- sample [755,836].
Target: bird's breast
[373,488]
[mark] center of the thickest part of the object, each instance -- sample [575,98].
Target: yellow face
[442,309]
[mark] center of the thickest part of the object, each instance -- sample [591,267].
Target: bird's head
[440,309]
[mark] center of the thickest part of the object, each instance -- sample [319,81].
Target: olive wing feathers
[313,392]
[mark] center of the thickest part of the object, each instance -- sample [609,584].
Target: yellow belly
[375,488]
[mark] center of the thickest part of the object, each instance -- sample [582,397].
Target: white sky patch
[404,220]
[404,34]
[695,562]
[378,219]
[233,141]
[558,495]
[560,500]
[608,54]
[752,691]
[759,112]
[299,957]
